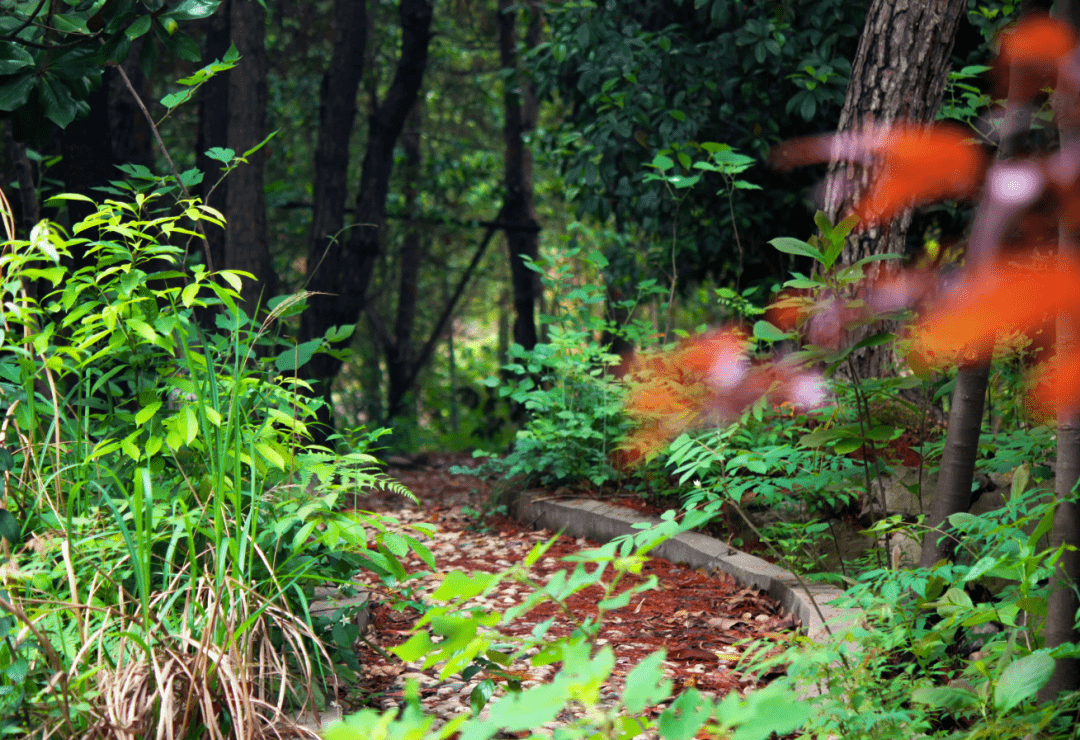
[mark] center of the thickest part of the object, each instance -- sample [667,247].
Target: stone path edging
[602,522]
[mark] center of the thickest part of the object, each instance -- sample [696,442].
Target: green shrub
[567,386]
[166,521]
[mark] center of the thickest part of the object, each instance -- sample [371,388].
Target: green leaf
[295,358]
[795,246]
[220,154]
[262,143]
[685,716]
[982,566]
[13,58]
[1021,680]
[15,93]
[645,684]
[60,107]
[7,460]
[337,334]
[461,585]
[190,10]
[146,413]
[946,697]
[819,437]
[480,695]
[845,446]
[415,648]
[9,527]
[172,100]
[766,332]
[139,27]
[662,163]
[183,46]
[875,339]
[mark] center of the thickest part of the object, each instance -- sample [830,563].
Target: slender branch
[172,166]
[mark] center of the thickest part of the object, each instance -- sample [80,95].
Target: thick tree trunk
[518,210]
[213,131]
[344,271]
[899,73]
[399,348]
[246,245]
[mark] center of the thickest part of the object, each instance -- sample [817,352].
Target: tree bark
[132,139]
[343,272]
[213,131]
[957,461]
[399,348]
[899,73]
[246,245]
[1061,625]
[518,209]
[337,114]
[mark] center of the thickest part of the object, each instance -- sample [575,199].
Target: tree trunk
[518,210]
[337,113]
[957,461]
[213,131]
[132,139]
[899,73]
[344,271]
[87,158]
[399,348]
[246,245]
[27,203]
[1060,626]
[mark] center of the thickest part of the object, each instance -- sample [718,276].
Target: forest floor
[706,623]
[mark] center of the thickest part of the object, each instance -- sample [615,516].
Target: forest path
[703,621]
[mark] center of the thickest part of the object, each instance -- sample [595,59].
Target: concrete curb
[602,522]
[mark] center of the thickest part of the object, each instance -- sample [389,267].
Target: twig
[172,166]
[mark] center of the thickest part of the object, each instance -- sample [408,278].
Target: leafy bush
[166,525]
[567,386]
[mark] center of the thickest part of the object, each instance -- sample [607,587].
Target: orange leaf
[913,164]
[1002,297]
[1029,56]
[1058,386]
[919,165]
[1036,39]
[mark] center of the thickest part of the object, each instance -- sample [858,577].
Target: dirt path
[702,621]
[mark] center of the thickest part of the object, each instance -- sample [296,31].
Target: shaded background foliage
[619,83]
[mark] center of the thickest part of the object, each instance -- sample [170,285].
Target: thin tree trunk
[957,461]
[337,114]
[518,209]
[1061,626]
[29,210]
[246,245]
[213,130]
[344,271]
[899,73]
